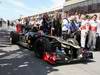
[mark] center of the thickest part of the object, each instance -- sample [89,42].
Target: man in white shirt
[65,27]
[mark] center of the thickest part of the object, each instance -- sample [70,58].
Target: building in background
[82,6]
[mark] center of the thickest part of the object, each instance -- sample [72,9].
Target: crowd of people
[62,25]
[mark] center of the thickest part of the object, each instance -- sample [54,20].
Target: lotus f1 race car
[51,49]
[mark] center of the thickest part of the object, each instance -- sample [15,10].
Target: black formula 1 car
[50,48]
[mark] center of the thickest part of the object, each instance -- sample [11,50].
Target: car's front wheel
[41,45]
[14,37]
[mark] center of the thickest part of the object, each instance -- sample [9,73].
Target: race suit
[84,31]
[92,35]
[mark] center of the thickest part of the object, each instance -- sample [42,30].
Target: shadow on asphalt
[23,62]
[76,62]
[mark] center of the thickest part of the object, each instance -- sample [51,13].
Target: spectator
[33,25]
[12,23]
[65,27]
[73,24]
[19,26]
[57,25]
[8,22]
[45,24]
[98,26]
[0,22]
[98,35]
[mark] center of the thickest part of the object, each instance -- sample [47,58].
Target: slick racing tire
[14,37]
[41,46]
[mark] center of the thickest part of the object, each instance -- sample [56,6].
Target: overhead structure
[82,6]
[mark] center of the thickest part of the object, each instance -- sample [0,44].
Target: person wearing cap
[92,33]
[84,30]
